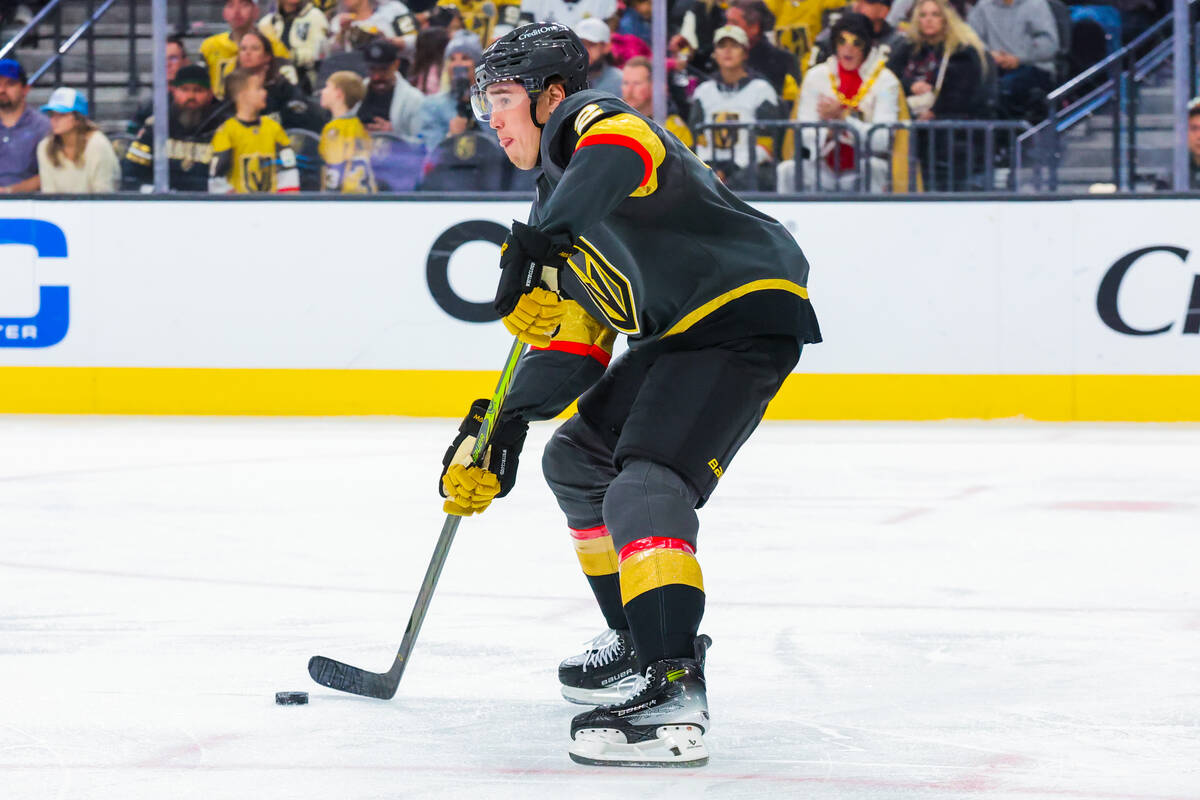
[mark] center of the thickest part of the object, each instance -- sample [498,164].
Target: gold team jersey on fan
[252,154]
[220,54]
[797,23]
[482,16]
[346,157]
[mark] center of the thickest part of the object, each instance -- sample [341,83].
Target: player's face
[251,53]
[930,21]
[1194,137]
[729,54]
[12,94]
[510,119]
[635,87]
[239,14]
[850,51]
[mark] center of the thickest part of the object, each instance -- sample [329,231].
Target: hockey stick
[382,685]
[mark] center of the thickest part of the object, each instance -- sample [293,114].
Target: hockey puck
[291,698]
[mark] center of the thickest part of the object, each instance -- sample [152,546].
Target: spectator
[778,66]
[76,158]
[853,88]
[302,28]
[345,146]
[220,51]
[448,113]
[941,65]
[391,104]
[798,23]
[637,89]
[21,128]
[427,59]
[885,39]
[1193,140]
[194,118]
[251,154]
[736,96]
[486,19]
[602,75]
[363,21]
[285,102]
[694,43]
[1023,39]
[176,57]
[636,19]
[566,12]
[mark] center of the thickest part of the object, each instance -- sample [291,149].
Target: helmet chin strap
[533,98]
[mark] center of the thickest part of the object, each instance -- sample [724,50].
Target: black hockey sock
[594,547]
[663,592]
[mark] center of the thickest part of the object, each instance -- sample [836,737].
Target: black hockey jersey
[665,253]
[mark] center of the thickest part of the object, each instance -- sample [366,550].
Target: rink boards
[1057,310]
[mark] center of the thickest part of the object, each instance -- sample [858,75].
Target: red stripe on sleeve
[579,349]
[623,141]
[651,542]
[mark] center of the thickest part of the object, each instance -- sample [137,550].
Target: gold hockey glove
[536,317]
[469,489]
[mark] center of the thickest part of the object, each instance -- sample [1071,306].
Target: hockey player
[630,233]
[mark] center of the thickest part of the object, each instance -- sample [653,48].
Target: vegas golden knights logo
[725,138]
[255,174]
[609,289]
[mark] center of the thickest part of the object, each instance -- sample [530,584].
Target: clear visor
[497,97]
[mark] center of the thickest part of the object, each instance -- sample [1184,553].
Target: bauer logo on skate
[49,324]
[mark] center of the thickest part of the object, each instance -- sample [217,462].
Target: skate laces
[604,649]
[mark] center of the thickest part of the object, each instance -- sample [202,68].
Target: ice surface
[918,611]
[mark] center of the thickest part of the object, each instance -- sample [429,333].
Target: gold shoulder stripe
[585,117]
[634,128]
[703,311]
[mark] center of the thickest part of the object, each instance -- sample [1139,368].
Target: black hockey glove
[525,252]
[469,489]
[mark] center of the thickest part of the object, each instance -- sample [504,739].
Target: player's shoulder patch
[594,111]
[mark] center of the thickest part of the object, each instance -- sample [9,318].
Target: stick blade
[353,680]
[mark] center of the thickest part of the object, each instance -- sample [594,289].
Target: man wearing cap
[195,116]
[884,35]
[21,128]
[597,37]
[449,113]
[392,104]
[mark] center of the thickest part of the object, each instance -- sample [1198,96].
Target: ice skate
[604,673]
[663,725]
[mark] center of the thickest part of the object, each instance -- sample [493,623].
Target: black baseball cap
[380,51]
[192,74]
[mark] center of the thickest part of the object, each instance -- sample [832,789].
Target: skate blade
[618,692]
[676,746]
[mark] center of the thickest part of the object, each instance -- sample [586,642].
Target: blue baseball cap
[65,100]
[11,68]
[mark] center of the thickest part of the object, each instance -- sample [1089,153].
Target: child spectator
[251,152]
[302,28]
[76,158]
[1023,39]
[735,95]
[602,75]
[345,145]
[21,129]
[220,51]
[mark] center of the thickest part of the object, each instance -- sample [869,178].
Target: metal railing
[1113,80]
[938,156]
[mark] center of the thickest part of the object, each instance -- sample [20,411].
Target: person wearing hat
[596,37]
[780,67]
[21,128]
[220,51]
[448,113]
[363,21]
[392,104]
[76,158]
[734,95]
[195,116]
[885,35]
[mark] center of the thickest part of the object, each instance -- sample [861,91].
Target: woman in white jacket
[853,87]
[76,158]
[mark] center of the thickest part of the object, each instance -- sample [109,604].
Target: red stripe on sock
[589,533]
[651,542]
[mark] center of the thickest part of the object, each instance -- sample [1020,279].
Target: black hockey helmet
[531,55]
